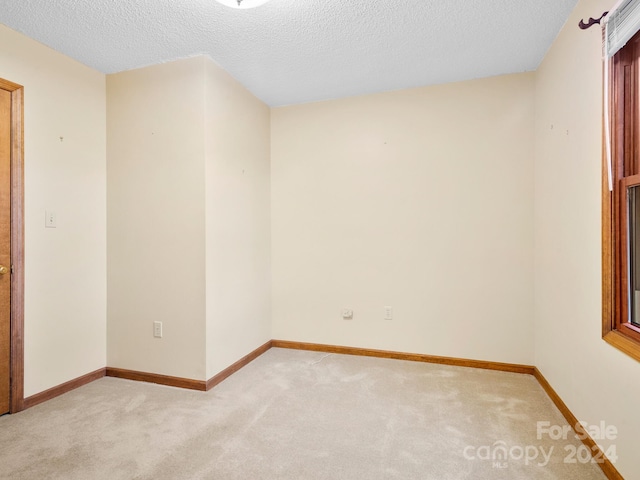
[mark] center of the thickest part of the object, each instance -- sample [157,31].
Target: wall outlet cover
[347,313]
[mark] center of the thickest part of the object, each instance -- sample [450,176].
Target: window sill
[623,343]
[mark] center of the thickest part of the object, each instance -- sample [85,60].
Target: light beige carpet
[297,415]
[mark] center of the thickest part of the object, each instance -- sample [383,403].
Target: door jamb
[17,244]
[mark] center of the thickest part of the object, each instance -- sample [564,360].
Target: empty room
[319,239]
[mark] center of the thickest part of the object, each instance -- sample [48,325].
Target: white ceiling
[296,51]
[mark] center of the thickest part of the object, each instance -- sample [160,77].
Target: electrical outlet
[157,329]
[347,314]
[50,219]
[388,313]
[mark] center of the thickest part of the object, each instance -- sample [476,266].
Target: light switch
[50,219]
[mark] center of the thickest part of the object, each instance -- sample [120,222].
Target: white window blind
[622,23]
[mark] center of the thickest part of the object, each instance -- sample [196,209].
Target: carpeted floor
[298,415]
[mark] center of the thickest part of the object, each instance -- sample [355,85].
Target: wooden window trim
[610,333]
[625,142]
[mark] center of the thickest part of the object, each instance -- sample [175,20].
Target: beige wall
[188,219]
[65,298]
[595,380]
[237,220]
[156,234]
[419,199]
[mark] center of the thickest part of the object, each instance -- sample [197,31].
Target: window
[621,205]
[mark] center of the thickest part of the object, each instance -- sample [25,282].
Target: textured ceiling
[296,51]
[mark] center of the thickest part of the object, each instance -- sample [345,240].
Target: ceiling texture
[297,51]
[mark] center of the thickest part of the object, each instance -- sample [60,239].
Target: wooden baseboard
[216,379]
[414,357]
[41,397]
[188,383]
[179,382]
[606,465]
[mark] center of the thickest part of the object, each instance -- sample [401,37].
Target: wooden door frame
[17,244]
